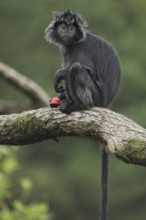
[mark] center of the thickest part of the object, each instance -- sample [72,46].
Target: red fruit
[55,102]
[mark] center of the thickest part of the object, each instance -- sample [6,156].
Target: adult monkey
[91,72]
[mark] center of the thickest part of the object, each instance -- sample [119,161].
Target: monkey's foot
[55,102]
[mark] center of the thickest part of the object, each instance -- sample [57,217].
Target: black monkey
[91,67]
[91,72]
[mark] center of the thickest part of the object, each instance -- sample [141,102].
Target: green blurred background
[66,175]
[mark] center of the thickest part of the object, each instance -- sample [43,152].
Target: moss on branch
[120,135]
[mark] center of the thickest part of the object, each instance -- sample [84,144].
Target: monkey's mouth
[66,37]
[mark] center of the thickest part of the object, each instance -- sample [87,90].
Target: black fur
[91,65]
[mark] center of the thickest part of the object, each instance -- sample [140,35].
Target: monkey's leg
[104,185]
[80,88]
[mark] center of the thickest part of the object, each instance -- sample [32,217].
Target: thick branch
[24,84]
[118,134]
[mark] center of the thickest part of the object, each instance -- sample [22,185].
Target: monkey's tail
[104,185]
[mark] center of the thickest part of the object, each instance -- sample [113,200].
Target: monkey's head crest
[68,17]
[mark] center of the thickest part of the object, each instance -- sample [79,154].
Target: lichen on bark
[135,151]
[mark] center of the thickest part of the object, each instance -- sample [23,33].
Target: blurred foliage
[12,208]
[67,174]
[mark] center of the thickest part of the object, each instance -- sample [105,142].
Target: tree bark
[117,134]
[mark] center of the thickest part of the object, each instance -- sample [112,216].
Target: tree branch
[118,134]
[24,84]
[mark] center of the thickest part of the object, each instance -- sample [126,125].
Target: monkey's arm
[60,75]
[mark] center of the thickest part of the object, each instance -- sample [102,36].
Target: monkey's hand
[60,75]
[57,86]
[59,89]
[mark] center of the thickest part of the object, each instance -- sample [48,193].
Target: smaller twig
[24,84]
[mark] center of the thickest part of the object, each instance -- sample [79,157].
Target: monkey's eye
[62,26]
[71,27]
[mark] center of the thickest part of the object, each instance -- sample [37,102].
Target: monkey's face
[66,32]
[66,29]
